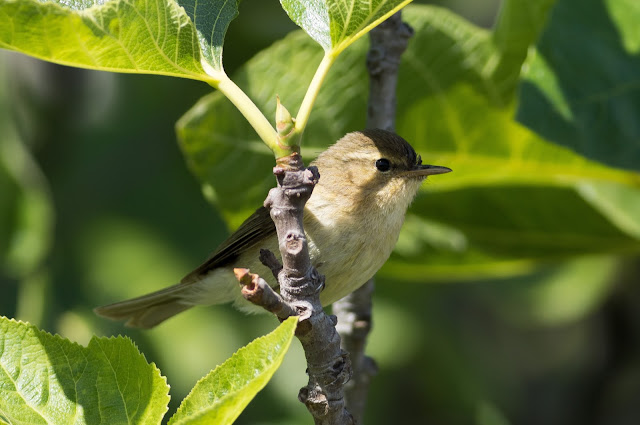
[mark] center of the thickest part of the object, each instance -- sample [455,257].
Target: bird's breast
[349,249]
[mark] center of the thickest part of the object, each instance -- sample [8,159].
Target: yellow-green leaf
[46,379]
[181,39]
[335,24]
[220,397]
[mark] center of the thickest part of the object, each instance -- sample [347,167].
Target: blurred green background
[97,205]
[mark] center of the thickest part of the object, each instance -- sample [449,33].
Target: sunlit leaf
[151,37]
[220,397]
[211,19]
[45,379]
[335,24]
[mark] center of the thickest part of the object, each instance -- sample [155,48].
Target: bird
[352,222]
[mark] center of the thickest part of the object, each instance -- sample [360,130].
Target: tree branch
[354,325]
[328,365]
[388,41]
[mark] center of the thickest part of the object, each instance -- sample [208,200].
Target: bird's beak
[427,170]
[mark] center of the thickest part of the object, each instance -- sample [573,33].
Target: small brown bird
[352,221]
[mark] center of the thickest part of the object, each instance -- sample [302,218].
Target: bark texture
[328,365]
[354,314]
[388,40]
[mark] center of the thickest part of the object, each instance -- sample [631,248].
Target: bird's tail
[148,310]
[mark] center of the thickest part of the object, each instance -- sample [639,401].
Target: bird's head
[372,168]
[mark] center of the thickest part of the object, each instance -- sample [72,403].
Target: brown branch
[354,325]
[388,41]
[328,365]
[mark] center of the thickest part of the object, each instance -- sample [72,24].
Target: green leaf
[336,24]
[211,19]
[514,199]
[501,231]
[448,108]
[582,88]
[152,37]
[620,203]
[518,25]
[220,397]
[215,137]
[46,379]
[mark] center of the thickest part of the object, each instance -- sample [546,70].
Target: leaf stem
[251,112]
[312,92]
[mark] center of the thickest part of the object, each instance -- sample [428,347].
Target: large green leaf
[582,88]
[445,110]
[500,231]
[620,203]
[180,39]
[45,379]
[211,19]
[335,24]
[220,397]
[519,22]
[511,200]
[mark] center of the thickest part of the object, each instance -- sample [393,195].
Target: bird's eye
[383,164]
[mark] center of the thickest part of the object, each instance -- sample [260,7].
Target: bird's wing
[257,227]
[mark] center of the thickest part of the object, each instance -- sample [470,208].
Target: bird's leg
[270,260]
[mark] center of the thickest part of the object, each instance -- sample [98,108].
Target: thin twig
[258,291]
